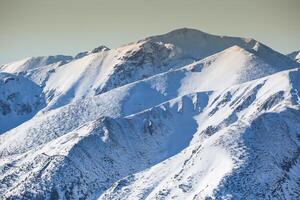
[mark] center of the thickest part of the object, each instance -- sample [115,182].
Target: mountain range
[183,115]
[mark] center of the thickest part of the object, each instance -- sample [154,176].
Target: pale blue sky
[40,27]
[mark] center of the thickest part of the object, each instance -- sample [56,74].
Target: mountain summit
[183,115]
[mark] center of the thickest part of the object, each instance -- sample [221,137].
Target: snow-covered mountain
[103,71]
[184,115]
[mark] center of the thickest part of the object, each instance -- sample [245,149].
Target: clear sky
[40,27]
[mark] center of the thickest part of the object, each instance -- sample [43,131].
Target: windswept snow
[184,115]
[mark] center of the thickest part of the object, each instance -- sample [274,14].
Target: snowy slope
[20,99]
[33,63]
[184,115]
[152,138]
[246,147]
[295,55]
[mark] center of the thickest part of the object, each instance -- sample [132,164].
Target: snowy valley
[183,115]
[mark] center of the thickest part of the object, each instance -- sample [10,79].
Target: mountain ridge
[183,115]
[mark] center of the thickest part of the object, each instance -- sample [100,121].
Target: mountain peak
[95,50]
[100,48]
[185,31]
